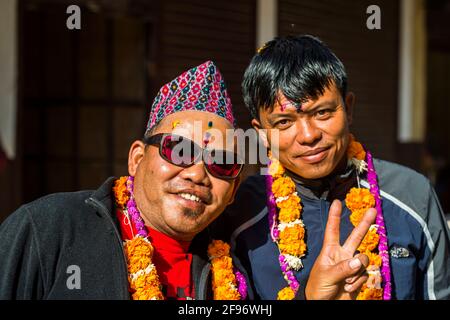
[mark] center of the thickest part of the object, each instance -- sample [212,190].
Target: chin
[185,221]
[313,173]
[186,231]
[316,176]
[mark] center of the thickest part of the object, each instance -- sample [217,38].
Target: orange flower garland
[358,201]
[143,276]
[283,187]
[289,231]
[223,279]
[291,241]
[121,192]
[356,154]
[286,294]
[355,149]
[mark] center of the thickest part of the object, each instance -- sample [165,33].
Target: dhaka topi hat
[201,88]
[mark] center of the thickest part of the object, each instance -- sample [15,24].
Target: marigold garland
[370,241]
[288,232]
[286,294]
[121,192]
[283,187]
[374,259]
[228,284]
[224,281]
[142,276]
[355,149]
[370,294]
[359,200]
[289,214]
[286,228]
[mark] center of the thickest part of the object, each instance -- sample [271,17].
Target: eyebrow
[291,113]
[325,104]
[274,116]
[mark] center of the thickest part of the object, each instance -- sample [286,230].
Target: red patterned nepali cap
[201,88]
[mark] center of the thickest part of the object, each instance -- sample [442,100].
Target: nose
[196,174]
[307,133]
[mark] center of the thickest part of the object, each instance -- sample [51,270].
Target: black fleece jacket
[68,246]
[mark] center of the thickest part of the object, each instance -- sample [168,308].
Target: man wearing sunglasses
[142,236]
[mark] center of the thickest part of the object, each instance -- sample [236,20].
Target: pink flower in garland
[242,284]
[133,211]
[383,242]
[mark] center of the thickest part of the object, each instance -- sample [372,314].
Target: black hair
[300,67]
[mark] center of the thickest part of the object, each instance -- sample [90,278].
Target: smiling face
[177,201]
[312,141]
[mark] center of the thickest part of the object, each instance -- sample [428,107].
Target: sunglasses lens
[178,150]
[183,152]
[223,164]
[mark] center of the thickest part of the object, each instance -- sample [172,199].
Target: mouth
[194,196]
[192,205]
[191,197]
[314,156]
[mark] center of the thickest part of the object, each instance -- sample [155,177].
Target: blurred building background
[72,101]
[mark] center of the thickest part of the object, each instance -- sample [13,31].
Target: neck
[166,230]
[318,183]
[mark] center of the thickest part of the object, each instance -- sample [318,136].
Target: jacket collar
[104,195]
[334,186]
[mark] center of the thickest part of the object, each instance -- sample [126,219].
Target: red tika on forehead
[201,88]
[287,104]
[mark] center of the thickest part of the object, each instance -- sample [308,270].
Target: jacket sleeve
[20,268]
[436,267]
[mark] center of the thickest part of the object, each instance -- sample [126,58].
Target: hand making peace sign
[337,273]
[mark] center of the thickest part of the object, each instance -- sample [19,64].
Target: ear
[237,182]
[135,155]
[262,133]
[349,105]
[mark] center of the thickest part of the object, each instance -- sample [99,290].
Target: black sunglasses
[184,152]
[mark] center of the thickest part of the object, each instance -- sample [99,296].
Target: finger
[349,268]
[356,286]
[353,279]
[359,232]
[365,262]
[333,223]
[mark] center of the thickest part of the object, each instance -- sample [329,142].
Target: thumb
[350,267]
